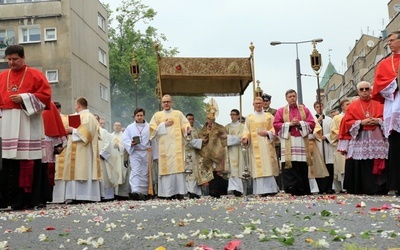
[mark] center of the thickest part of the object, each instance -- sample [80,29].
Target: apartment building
[362,60]
[68,41]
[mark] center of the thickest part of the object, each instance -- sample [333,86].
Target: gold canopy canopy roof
[185,76]
[204,76]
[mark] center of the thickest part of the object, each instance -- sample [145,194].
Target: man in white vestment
[136,141]
[234,159]
[258,134]
[122,172]
[339,159]
[108,182]
[80,167]
[324,145]
[170,127]
[192,159]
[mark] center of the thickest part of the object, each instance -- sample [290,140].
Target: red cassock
[355,112]
[34,82]
[53,125]
[386,72]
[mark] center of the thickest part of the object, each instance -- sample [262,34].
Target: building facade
[362,60]
[68,41]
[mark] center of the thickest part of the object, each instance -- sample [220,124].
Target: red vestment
[385,73]
[34,82]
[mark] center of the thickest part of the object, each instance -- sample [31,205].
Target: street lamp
[316,63]
[134,68]
[298,74]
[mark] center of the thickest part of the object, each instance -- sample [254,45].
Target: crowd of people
[51,157]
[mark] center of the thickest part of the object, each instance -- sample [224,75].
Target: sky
[225,28]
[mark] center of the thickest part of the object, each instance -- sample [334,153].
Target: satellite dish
[396,7]
[370,43]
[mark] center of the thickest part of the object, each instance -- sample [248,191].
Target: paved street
[280,222]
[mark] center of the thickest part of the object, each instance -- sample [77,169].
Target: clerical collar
[235,123]
[83,111]
[168,111]
[259,112]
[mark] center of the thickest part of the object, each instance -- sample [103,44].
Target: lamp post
[298,74]
[316,63]
[134,68]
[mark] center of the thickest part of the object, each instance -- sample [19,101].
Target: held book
[74,121]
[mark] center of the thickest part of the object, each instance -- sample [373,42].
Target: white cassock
[234,162]
[190,148]
[138,156]
[107,188]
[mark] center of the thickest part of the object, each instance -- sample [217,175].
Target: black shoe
[134,196]
[268,194]
[331,191]
[179,197]
[193,196]
[237,193]
[215,194]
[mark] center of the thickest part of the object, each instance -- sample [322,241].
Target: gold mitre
[212,109]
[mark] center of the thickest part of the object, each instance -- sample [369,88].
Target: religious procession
[50,157]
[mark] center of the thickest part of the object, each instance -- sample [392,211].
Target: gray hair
[363,82]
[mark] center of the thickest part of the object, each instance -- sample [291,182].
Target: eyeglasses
[166,101]
[233,114]
[392,40]
[266,100]
[364,89]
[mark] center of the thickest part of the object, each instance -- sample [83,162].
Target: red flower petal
[50,228]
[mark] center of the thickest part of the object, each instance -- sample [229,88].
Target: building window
[52,75]
[101,21]
[103,92]
[29,34]
[7,36]
[50,34]
[102,57]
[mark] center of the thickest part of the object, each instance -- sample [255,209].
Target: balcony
[35,9]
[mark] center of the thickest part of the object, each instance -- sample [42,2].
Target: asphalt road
[280,222]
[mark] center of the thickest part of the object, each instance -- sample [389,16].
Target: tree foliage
[130,33]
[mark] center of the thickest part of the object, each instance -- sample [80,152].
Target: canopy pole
[253,75]
[241,109]
[159,92]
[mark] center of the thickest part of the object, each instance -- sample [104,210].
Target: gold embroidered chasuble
[213,152]
[263,159]
[171,143]
[81,156]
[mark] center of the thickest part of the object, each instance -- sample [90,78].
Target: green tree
[124,40]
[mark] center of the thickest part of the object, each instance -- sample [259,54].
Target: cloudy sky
[225,28]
